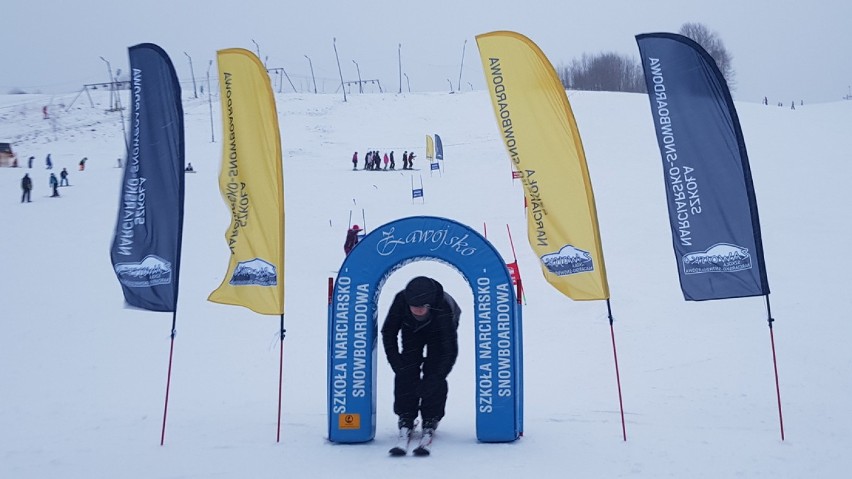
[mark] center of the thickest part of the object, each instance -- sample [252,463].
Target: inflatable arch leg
[353,325]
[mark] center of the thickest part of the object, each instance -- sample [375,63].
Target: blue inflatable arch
[353,325]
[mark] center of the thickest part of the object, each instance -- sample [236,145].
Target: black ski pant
[418,387]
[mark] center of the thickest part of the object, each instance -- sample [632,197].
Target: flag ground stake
[617,376]
[280,377]
[168,378]
[770,320]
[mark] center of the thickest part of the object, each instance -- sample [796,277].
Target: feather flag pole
[543,142]
[252,185]
[710,195]
[146,247]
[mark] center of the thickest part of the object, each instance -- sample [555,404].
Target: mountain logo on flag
[568,260]
[151,271]
[255,272]
[719,258]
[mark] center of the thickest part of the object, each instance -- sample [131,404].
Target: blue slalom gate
[353,325]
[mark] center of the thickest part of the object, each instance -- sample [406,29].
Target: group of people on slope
[54,183]
[373,160]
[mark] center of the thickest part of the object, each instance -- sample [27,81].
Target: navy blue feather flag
[711,201]
[146,247]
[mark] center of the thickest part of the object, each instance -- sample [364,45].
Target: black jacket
[437,333]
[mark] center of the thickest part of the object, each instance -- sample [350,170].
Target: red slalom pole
[770,320]
[168,379]
[515,258]
[617,375]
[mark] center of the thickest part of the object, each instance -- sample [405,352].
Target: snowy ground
[82,379]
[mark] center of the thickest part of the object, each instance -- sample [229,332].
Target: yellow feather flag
[430,148]
[252,186]
[542,140]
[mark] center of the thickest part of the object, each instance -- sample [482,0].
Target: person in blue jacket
[54,183]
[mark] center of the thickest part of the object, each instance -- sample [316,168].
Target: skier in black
[63,178]
[427,317]
[27,187]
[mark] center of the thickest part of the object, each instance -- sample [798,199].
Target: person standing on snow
[427,319]
[355,160]
[63,177]
[54,183]
[27,187]
[351,239]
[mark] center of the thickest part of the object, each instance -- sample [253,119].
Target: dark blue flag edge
[762,288]
[146,247]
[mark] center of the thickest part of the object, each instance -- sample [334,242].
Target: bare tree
[603,72]
[711,42]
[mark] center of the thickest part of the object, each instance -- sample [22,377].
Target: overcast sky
[784,49]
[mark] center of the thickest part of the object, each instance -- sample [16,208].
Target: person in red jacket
[351,238]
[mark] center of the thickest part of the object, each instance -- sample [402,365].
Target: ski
[402,443]
[425,446]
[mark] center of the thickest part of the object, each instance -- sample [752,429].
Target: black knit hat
[420,291]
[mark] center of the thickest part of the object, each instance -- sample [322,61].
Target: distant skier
[392,162]
[411,161]
[48,163]
[83,163]
[387,160]
[355,161]
[63,178]
[27,187]
[405,160]
[54,183]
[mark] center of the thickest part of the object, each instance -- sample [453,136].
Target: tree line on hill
[608,71]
